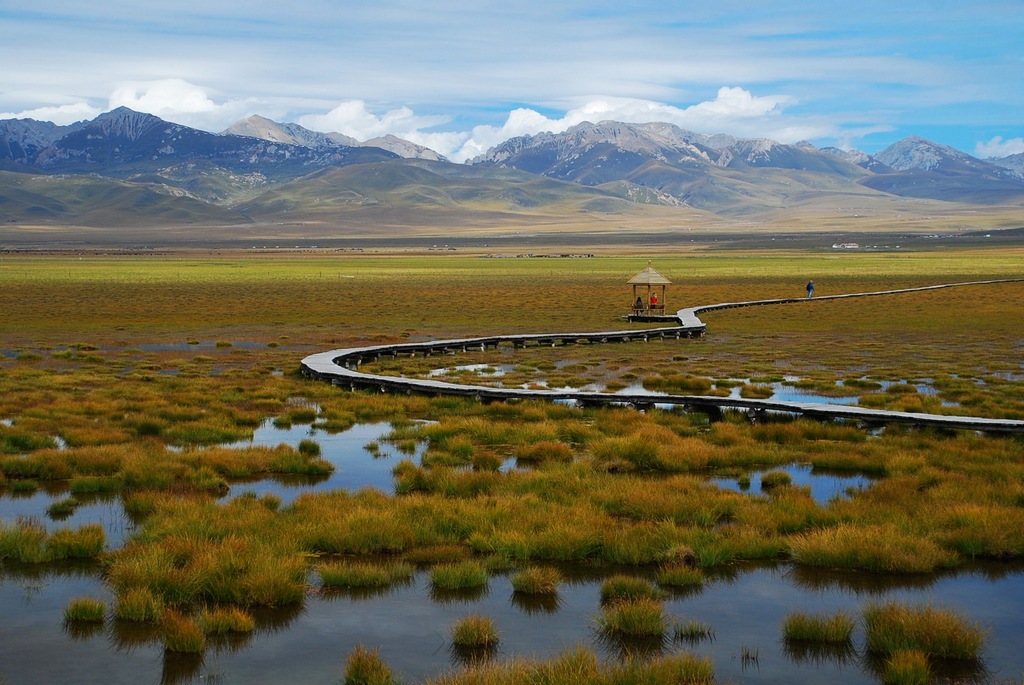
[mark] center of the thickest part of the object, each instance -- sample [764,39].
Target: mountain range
[129,168]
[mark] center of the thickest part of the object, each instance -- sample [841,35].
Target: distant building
[845,246]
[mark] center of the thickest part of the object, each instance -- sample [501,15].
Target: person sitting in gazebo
[654,301]
[638,306]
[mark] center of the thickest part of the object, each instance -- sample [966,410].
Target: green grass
[461,575]
[85,609]
[621,588]
[693,631]
[475,631]
[63,508]
[835,628]
[680,576]
[938,633]
[223,620]
[597,486]
[139,605]
[365,667]
[181,633]
[537,580]
[633,618]
[362,575]
[907,667]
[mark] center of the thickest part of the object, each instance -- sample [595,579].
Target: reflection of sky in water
[744,606]
[354,466]
[824,484]
[106,511]
[783,391]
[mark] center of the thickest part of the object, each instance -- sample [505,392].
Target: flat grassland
[106,362]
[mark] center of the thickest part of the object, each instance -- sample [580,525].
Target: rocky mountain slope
[262,170]
[293,134]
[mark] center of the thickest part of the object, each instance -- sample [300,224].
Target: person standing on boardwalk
[810,289]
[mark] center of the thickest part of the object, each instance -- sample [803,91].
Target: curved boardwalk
[341,367]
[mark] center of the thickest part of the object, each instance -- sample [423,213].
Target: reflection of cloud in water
[354,467]
[825,484]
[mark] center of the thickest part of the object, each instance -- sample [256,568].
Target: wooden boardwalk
[341,367]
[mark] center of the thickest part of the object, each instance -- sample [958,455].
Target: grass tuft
[837,628]
[624,588]
[365,667]
[939,633]
[85,609]
[223,620]
[907,667]
[181,633]
[462,575]
[537,581]
[138,604]
[643,617]
[475,631]
[361,575]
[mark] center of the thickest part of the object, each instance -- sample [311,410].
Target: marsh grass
[580,665]
[366,667]
[436,554]
[693,631]
[63,508]
[873,548]
[627,588]
[939,633]
[138,605]
[24,541]
[680,576]
[775,479]
[475,631]
[23,486]
[836,628]
[224,620]
[642,617]
[462,575]
[537,580]
[594,487]
[181,633]
[350,574]
[85,609]
[907,667]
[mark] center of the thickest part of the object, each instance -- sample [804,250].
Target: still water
[744,605]
[309,643]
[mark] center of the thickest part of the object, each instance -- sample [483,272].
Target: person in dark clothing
[810,289]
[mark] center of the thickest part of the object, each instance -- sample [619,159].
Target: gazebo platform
[652,318]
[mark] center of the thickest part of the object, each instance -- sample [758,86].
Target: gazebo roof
[648,277]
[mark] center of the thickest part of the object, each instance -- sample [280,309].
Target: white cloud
[352,118]
[62,115]
[163,97]
[734,110]
[185,103]
[997,147]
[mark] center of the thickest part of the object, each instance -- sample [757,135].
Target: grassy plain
[107,362]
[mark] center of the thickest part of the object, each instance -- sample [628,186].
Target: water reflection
[355,467]
[802,652]
[468,656]
[740,612]
[824,484]
[535,604]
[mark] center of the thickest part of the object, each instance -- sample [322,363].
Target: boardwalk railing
[341,367]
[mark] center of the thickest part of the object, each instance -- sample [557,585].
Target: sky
[462,76]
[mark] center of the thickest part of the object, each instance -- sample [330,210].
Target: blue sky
[461,76]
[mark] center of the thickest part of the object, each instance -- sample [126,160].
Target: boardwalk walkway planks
[341,367]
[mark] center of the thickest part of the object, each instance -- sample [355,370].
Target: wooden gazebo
[648,292]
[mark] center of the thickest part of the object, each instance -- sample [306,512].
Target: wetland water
[744,605]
